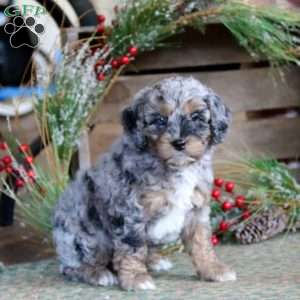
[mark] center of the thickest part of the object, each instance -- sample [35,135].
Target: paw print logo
[21,28]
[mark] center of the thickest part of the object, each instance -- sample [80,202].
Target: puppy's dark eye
[159,121]
[198,115]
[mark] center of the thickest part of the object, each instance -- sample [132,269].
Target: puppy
[151,189]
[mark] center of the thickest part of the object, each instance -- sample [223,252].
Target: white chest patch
[168,227]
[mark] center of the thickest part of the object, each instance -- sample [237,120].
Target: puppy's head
[178,118]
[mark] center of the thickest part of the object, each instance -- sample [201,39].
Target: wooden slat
[84,151]
[24,128]
[193,48]
[276,137]
[242,90]
[102,137]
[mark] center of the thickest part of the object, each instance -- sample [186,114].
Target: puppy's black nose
[179,144]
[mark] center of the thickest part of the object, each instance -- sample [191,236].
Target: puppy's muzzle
[179,144]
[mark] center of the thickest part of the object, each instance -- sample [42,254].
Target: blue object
[9,92]
[58,56]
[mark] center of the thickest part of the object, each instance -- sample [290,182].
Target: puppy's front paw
[161,265]
[218,272]
[107,279]
[141,281]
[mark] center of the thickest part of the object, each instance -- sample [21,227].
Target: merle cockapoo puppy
[151,189]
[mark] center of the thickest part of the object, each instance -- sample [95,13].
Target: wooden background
[265,105]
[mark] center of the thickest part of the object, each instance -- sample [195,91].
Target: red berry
[101,77]
[115,63]
[29,159]
[19,183]
[240,201]
[218,182]
[214,240]
[125,60]
[223,226]
[31,173]
[133,51]
[7,160]
[9,170]
[101,18]
[229,186]
[227,206]
[3,146]
[24,148]
[246,214]
[216,194]
[100,28]
[2,168]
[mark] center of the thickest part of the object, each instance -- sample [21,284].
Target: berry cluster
[101,24]
[22,172]
[232,207]
[102,67]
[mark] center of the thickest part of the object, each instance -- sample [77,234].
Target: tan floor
[18,244]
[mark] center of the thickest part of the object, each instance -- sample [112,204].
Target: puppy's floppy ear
[130,124]
[129,119]
[220,118]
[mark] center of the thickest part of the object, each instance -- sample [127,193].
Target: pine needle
[266,32]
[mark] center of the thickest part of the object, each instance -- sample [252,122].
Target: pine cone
[263,226]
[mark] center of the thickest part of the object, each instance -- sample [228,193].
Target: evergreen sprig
[74,90]
[142,23]
[265,32]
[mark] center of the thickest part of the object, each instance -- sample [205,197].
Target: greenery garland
[266,32]
[85,75]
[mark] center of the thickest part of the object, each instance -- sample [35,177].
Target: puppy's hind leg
[93,275]
[84,256]
[91,263]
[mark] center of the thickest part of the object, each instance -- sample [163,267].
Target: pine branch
[266,32]
[141,23]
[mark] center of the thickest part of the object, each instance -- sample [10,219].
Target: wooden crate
[258,97]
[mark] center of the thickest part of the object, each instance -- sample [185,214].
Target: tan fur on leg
[197,240]
[133,274]
[94,275]
[157,262]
